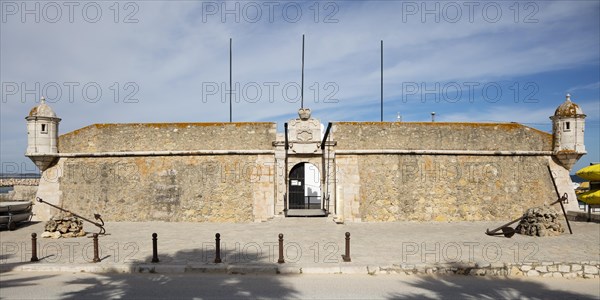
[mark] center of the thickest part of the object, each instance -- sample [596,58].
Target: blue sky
[159,61]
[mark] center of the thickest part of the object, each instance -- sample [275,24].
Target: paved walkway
[311,245]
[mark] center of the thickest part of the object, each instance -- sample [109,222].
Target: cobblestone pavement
[312,245]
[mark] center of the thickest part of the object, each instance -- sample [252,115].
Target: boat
[591,173]
[14,206]
[590,197]
[15,218]
[15,212]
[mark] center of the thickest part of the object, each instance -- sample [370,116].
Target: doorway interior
[304,190]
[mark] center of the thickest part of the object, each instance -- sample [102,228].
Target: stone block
[288,270]
[590,270]
[564,268]
[515,271]
[497,265]
[372,270]
[542,269]
[477,272]
[532,273]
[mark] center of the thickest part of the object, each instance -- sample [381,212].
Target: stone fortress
[347,171]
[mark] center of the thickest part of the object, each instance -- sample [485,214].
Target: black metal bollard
[218,248]
[34,257]
[154,248]
[280,260]
[346,257]
[96,257]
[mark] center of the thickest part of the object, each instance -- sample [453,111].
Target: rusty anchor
[96,216]
[508,231]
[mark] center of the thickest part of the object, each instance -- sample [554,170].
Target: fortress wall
[168,137]
[219,188]
[440,136]
[447,187]
[409,187]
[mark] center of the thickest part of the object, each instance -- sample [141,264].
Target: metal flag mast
[381,80]
[302,84]
[230,86]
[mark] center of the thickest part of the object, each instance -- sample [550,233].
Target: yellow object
[584,185]
[591,197]
[591,173]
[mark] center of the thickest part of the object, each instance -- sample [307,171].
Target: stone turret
[42,135]
[568,124]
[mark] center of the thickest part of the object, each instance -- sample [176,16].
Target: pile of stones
[540,221]
[63,225]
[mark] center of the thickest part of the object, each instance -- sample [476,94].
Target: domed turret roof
[568,109]
[42,110]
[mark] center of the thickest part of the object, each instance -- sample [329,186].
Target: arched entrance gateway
[305,163]
[304,187]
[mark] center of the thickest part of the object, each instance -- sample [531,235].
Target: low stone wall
[20,193]
[19,181]
[583,269]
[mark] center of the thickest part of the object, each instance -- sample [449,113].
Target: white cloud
[591,86]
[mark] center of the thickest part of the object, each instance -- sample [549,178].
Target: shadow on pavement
[455,287]
[7,282]
[181,286]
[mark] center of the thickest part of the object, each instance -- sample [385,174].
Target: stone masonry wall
[168,137]
[450,188]
[19,181]
[221,188]
[440,136]
[20,193]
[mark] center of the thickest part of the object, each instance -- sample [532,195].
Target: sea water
[5,189]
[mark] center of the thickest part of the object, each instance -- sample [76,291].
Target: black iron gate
[296,187]
[299,198]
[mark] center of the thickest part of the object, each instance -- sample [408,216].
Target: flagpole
[302,86]
[381,80]
[230,86]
